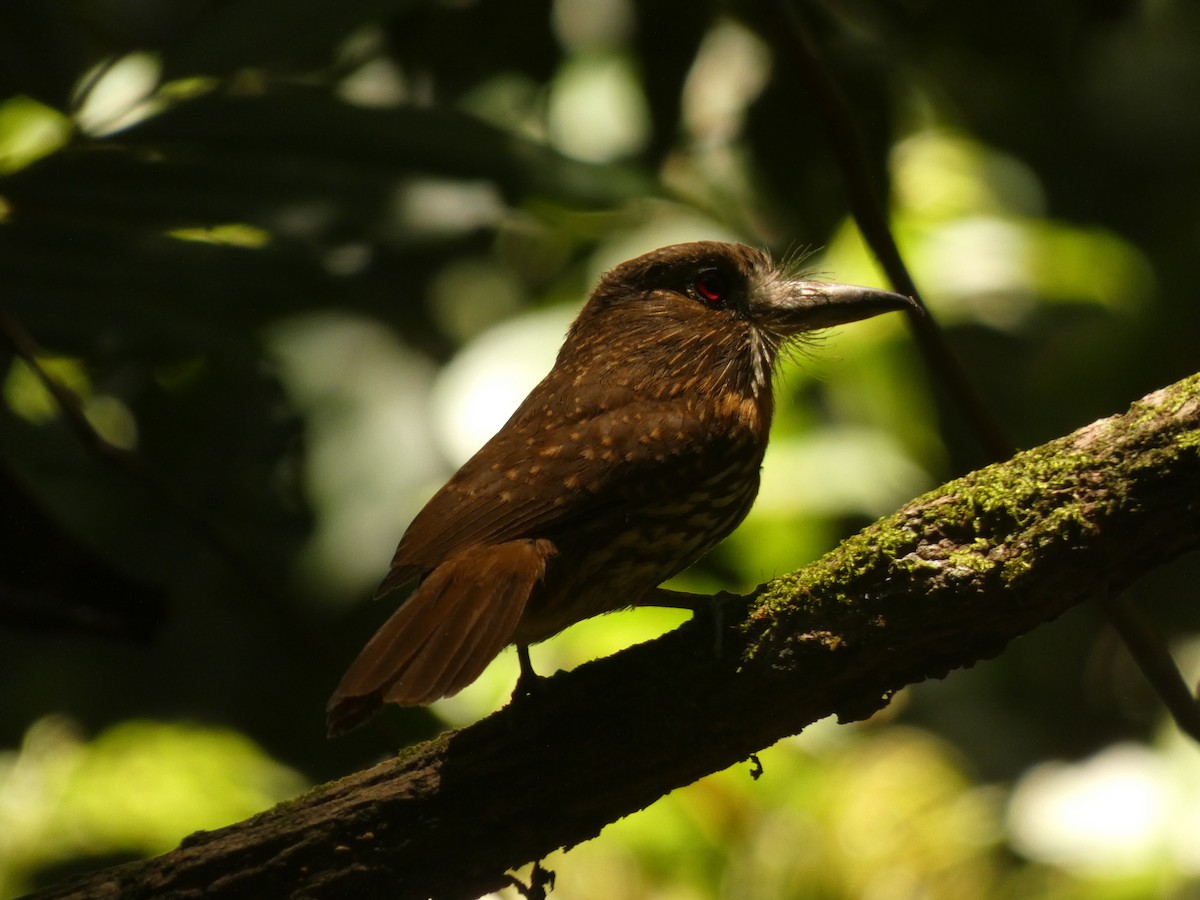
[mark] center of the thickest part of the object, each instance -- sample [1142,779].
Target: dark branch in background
[871,215]
[944,582]
[1146,646]
[1153,657]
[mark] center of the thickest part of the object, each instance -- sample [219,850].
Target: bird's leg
[683,600]
[528,681]
[697,604]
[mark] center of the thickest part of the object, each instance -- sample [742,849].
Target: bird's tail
[442,638]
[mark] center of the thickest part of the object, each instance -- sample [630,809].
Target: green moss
[973,557]
[988,523]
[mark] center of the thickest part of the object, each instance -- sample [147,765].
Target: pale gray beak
[797,306]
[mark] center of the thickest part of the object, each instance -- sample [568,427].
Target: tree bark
[944,582]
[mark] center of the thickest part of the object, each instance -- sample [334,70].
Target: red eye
[710,287]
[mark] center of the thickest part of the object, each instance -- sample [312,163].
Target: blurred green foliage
[132,791]
[297,258]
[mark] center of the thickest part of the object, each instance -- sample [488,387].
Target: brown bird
[637,454]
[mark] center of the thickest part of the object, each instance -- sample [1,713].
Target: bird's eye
[710,287]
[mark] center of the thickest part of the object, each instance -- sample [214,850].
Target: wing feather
[531,480]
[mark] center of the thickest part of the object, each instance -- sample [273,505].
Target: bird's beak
[797,306]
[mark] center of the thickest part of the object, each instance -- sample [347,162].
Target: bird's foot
[699,605]
[529,682]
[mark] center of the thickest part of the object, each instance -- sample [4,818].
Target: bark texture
[944,582]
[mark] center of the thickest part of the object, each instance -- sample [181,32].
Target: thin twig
[1153,657]
[127,462]
[24,346]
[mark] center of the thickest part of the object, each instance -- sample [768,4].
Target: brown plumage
[637,454]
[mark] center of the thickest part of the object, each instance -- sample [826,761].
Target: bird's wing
[541,473]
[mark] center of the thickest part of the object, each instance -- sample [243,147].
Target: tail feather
[444,635]
[457,631]
[483,641]
[395,644]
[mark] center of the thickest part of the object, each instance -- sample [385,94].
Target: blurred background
[297,260]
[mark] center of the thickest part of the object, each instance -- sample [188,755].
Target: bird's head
[709,312]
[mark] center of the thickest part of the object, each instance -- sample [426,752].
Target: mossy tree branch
[944,582]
